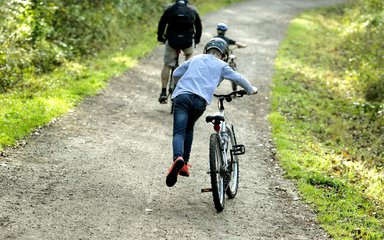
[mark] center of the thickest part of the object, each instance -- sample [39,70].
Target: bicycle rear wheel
[216,172]
[233,184]
[171,87]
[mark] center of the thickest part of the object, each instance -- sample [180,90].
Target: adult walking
[179,29]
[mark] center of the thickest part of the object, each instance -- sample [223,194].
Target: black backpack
[180,26]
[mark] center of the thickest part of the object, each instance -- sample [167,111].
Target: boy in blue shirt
[197,79]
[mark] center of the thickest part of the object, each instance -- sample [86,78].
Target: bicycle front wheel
[232,64]
[233,184]
[216,172]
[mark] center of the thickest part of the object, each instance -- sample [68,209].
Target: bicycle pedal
[204,190]
[238,149]
[162,100]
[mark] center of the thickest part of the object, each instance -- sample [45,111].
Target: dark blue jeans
[187,109]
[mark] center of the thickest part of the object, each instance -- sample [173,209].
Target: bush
[38,35]
[364,48]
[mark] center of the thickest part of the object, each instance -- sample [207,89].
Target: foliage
[363,34]
[39,35]
[328,130]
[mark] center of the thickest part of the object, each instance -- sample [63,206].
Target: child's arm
[230,74]
[240,45]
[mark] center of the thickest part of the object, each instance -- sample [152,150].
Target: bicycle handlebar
[238,93]
[228,97]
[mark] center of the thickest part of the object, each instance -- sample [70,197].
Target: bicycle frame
[221,124]
[219,120]
[232,64]
[231,58]
[221,129]
[171,83]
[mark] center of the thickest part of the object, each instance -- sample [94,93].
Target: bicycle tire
[233,184]
[171,88]
[234,86]
[216,172]
[234,67]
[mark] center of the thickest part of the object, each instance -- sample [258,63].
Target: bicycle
[171,81]
[232,64]
[223,154]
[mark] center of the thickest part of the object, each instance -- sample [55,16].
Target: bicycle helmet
[222,27]
[219,44]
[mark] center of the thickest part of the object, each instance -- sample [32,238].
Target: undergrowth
[328,118]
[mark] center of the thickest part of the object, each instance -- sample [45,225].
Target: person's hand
[160,39]
[241,45]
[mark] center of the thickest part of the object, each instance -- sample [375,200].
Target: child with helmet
[221,30]
[197,79]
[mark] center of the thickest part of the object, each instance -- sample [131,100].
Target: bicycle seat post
[221,103]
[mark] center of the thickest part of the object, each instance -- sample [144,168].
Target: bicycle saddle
[214,118]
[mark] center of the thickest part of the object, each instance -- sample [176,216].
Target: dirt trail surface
[99,172]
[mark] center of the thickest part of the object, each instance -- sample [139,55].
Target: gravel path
[99,172]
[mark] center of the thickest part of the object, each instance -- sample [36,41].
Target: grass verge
[319,130]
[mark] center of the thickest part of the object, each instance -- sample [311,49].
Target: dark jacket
[228,40]
[179,31]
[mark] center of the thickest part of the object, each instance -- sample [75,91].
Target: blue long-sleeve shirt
[202,74]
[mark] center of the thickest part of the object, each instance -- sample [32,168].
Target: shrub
[38,35]
[364,48]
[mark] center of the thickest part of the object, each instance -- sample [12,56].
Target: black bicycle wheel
[234,86]
[216,172]
[233,160]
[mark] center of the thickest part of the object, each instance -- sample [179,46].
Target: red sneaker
[185,170]
[173,172]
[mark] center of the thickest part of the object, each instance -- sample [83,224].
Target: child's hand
[241,45]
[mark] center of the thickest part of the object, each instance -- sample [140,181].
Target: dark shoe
[185,170]
[163,98]
[173,172]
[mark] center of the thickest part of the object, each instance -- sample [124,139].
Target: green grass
[330,146]
[40,99]
[45,97]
